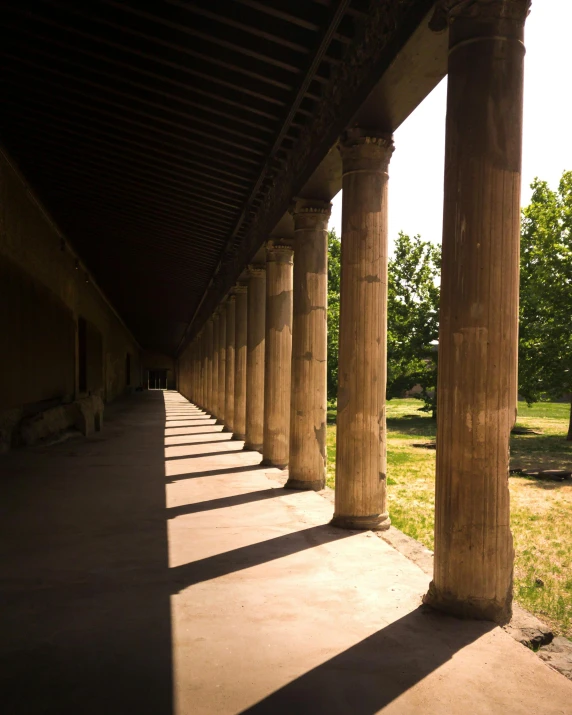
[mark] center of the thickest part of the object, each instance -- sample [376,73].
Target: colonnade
[259,363]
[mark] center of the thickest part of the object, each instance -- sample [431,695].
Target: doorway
[157,380]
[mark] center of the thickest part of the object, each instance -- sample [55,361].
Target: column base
[253,447]
[375,522]
[304,485]
[239,437]
[275,465]
[476,609]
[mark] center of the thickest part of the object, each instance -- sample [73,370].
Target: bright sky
[416,168]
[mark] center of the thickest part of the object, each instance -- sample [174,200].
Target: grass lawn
[541,512]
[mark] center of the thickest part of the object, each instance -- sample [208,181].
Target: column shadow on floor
[365,678]
[190,434]
[205,421]
[253,555]
[200,455]
[208,441]
[225,502]
[217,472]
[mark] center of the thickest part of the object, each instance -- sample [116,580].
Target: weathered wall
[42,295]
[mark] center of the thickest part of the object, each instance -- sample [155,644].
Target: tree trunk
[569,437]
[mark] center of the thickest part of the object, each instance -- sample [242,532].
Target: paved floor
[221,593]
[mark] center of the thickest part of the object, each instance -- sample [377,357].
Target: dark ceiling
[151,131]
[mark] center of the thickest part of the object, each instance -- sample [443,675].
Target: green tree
[413,318]
[334,253]
[545,342]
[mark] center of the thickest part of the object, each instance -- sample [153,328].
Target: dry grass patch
[541,512]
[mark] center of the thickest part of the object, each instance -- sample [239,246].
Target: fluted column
[307,467]
[229,374]
[203,370]
[222,362]
[185,372]
[278,355]
[360,499]
[255,327]
[198,371]
[199,364]
[195,364]
[214,376]
[192,372]
[209,356]
[187,382]
[478,338]
[240,362]
[199,367]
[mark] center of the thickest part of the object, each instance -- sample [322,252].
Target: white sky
[416,168]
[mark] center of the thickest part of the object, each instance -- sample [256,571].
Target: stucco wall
[41,297]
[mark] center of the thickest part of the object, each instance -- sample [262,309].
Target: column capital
[256,270]
[310,214]
[240,288]
[446,11]
[279,251]
[363,150]
[231,298]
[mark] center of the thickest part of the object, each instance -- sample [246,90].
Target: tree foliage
[545,342]
[334,254]
[413,318]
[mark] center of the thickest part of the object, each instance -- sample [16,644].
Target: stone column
[208,362]
[199,367]
[229,375]
[199,363]
[360,500]
[278,355]
[478,338]
[255,339]
[308,402]
[186,372]
[240,362]
[195,368]
[201,396]
[222,363]
[198,370]
[214,374]
[186,381]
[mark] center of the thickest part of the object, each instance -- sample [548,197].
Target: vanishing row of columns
[259,365]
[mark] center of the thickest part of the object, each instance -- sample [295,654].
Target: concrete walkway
[222,593]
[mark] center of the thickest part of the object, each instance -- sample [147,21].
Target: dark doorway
[82,354]
[127,370]
[157,380]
